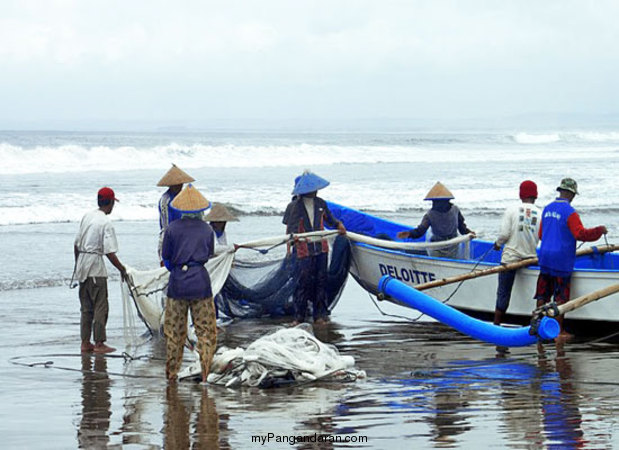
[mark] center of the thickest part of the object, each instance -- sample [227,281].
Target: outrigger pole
[503,268]
[551,310]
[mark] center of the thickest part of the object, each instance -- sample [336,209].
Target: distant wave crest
[77,158]
[574,137]
[526,138]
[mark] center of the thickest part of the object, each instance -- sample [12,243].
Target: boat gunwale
[472,261]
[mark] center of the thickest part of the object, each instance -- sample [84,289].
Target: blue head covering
[308,182]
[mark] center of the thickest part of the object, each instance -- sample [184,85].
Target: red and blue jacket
[561,227]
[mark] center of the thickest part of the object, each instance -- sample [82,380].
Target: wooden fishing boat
[476,296]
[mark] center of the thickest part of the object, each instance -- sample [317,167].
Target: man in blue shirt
[561,227]
[188,243]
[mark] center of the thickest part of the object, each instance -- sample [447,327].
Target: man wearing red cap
[96,237]
[519,234]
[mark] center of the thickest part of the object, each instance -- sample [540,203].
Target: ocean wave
[572,137]
[77,158]
[9,285]
[74,158]
[526,138]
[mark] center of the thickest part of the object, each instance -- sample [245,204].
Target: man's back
[95,238]
[519,232]
[187,245]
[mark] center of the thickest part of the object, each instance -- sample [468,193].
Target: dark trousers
[94,308]
[311,287]
[504,291]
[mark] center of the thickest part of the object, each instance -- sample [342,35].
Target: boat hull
[477,296]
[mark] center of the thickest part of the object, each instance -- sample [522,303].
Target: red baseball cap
[528,189]
[107,193]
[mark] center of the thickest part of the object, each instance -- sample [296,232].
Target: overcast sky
[198,60]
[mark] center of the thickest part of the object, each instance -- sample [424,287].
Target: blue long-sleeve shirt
[188,243]
[167,214]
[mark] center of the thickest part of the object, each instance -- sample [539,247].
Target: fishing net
[257,289]
[245,286]
[284,357]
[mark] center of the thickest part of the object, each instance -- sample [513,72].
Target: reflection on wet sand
[96,403]
[450,418]
[425,383]
[179,431]
[560,401]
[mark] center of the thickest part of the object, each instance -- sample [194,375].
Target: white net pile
[287,356]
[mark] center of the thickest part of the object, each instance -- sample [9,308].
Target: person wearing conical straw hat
[561,227]
[217,218]
[188,243]
[444,220]
[173,180]
[306,213]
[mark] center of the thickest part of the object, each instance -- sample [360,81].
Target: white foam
[77,158]
[527,138]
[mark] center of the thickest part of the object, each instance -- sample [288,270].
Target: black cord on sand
[49,364]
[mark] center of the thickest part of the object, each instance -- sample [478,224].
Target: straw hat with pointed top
[219,213]
[190,200]
[439,192]
[175,176]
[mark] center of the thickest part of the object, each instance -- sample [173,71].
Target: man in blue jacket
[561,227]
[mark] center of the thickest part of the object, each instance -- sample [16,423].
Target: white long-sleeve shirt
[519,232]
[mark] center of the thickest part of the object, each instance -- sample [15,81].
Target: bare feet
[502,350]
[100,347]
[321,321]
[564,336]
[294,323]
[87,347]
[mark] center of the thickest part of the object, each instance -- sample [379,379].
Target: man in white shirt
[519,234]
[95,238]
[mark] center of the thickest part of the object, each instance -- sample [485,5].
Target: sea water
[427,386]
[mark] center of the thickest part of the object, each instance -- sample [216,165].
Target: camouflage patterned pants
[175,331]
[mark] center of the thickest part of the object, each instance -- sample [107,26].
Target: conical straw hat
[308,182]
[175,176]
[190,200]
[439,192]
[219,213]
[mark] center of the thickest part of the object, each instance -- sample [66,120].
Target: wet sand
[427,387]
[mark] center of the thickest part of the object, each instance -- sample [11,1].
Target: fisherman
[188,243]
[444,219]
[306,213]
[519,233]
[218,217]
[173,179]
[96,237]
[561,227]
